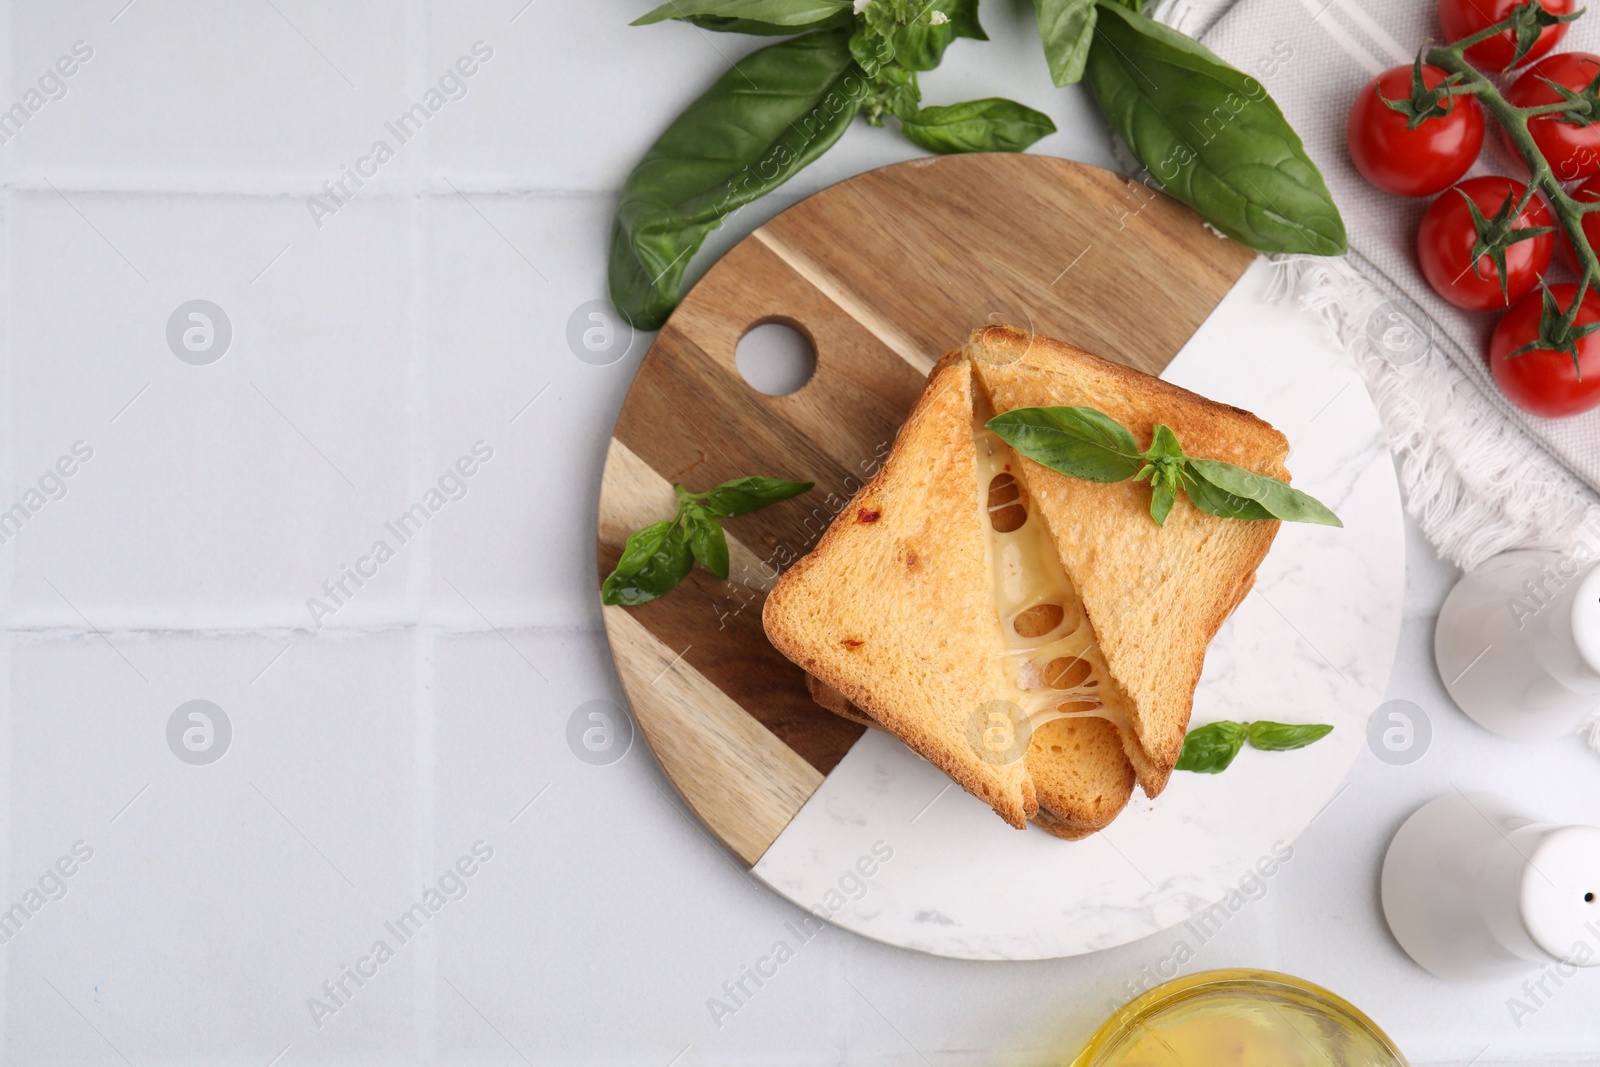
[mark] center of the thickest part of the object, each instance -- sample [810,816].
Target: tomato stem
[1514,120]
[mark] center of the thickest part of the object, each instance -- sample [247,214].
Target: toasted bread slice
[1081,774]
[893,610]
[1154,595]
[830,698]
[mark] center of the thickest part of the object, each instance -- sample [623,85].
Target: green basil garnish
[769,12]
[1066,27]
[654,560]
[1211,748]
[1211,136]
[657,557]
[990,125]
[1275,497]
[744,495]
[762,122]
[1282,737]
[1084,443]
[1078,442]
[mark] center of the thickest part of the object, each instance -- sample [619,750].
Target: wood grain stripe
[742,781]
[848,302]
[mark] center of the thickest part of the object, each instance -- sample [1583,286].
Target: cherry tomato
[1463,18]
[1590,191]
[1407,162]
[1447,235]
[1573,152]
[1544,381]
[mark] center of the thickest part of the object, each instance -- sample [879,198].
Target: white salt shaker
[1472,889]
[1518,643]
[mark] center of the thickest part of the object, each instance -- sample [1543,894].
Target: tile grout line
[8,452]
[297,186]
[420,568]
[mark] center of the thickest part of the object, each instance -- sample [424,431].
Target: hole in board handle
[776,357]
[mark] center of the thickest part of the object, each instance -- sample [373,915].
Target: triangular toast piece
[1080,773]
[892,607]
[1154,595]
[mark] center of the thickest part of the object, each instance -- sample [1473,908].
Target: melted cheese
[1026,572]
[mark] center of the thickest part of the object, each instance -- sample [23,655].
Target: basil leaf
[1282,737]
[1208,498]
[763,121]
[1278,499]
[724,24]
[1164,444]
[1078,442]
[1162,497]
[1066,27]
[1211,135]
[772,12]
[654,560]
[706,539]
[743,495]
[1211,748]
[919,45]
[990,125]
[964,18]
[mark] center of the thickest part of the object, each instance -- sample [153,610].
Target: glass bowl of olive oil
[1239,1019]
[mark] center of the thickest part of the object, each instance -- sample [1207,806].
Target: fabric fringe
[1475,483]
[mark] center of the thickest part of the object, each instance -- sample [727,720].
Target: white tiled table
[368,756]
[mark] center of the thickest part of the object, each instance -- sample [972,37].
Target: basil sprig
[1211,748]
[1081,442]
[657,557]
[778,110]
[1211,135]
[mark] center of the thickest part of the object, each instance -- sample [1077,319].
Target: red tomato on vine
[1544,366]
[1411,137]
[1569,143]
[1463,18]
[1477,250]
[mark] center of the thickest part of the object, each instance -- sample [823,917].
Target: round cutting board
[884,273]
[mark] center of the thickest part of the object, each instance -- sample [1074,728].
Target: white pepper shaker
[1473,889]
[1518,643]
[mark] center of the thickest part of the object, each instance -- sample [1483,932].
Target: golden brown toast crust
[830,698]
[1156,595]
[892,607]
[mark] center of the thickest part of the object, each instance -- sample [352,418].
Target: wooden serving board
[884,273]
